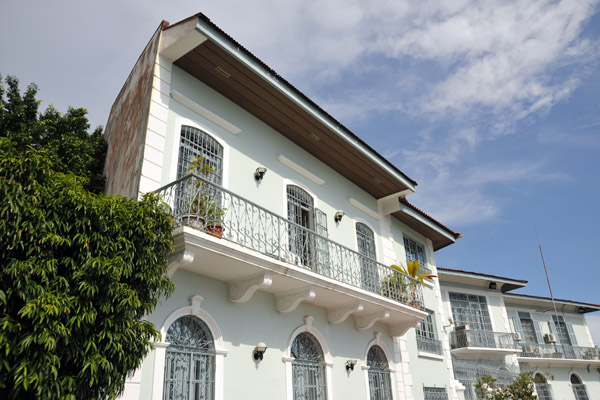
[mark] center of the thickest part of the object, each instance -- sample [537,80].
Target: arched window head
[308,368]
[579,388]
[189,361]
[380,386]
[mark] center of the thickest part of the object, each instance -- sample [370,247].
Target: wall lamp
[350,365]
[338,216]
[580,310]
[259,173]
[259,350]
[492,285]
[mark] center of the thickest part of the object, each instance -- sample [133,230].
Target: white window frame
[288,359]
[160,348]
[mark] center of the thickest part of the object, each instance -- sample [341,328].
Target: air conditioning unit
[464,327]
[550,338]
[517,336]
[528,348]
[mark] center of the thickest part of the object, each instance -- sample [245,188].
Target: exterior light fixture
[350,365]
[259,173]
[259,350]
[338,216]
[580,310]
[493,285]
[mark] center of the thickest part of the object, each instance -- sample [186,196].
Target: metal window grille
[366,248]
[196,143]
[415,251]
[472,310]
[426,337]
[189,361]
[308,370]
[301,213]
[544,391]
[379,374]
[578,388]
[435,393]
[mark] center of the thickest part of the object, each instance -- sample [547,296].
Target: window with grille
[472,310]
[301,213]
[579,388]
[414,251]
[308,368]
[426,336]
[543,389]
[435,393]
[366,248]
[189,361]
[380,385]
[196,143]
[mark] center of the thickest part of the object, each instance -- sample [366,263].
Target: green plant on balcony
[396,283]
[202,202]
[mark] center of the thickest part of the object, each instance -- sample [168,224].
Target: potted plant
[203,205]
[412,270]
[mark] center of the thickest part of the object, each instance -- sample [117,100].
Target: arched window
[195,143]
[544,391]
[578,388]
[308,368]
[190,361]
[369,276]
[379,374]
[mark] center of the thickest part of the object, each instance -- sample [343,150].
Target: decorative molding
[178,259]
[198,109]
[240,291]
[360,206]
[401,329]
[340,314]
[300,170]
[289,301]
[363,322]
[195,302]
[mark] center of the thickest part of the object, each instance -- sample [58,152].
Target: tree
[64,138]
[521,388]
[78,270]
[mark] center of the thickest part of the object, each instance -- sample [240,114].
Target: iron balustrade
[195,201]
[435,393]
[481,338]
[559,351]
[468,372]
[429,345]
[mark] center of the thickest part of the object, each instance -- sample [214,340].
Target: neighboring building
[284,239]
[498,333]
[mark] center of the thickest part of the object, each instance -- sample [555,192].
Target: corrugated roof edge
[524,282]
[571,302]
[455,234]
[285,82]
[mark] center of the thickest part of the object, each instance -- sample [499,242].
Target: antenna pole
[546,271]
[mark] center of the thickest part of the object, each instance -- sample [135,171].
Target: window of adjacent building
[189,361]
[530,330]
[426,336]
[369,274]
[196,143]
[544,391]
[380,386]
[578,388]
[563,331]
[435,393]
[308,368]
[471,310]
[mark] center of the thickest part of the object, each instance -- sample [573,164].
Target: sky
[492,106]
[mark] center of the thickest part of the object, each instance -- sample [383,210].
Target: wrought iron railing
[429,345]
[435,393]
[559,351]
[197,202]
[467,373]
[480,338]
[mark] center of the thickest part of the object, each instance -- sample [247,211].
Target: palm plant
[202,199]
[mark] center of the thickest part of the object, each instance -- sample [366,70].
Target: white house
[285,233]
[284,236]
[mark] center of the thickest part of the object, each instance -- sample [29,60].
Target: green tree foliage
[521,388]
[78,270]
[65,138]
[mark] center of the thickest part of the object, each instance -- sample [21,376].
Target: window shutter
[555,329]
[537,325]
[571,334]
[322,247]
[518,327]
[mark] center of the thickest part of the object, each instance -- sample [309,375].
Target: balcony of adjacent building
[558,355]
[466,343]
[224,236]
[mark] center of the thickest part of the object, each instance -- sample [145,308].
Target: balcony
[256,249]
[479,344]
[559,355]
[467,372]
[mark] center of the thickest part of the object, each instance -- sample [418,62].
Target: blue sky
[492,106]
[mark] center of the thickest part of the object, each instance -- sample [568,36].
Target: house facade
[286,227]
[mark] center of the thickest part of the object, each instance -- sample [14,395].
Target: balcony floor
[206,255]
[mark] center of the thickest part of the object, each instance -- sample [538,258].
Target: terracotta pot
[215,230]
